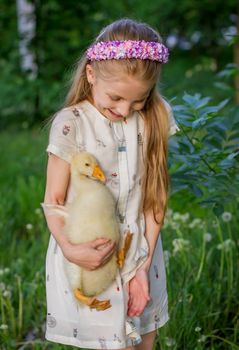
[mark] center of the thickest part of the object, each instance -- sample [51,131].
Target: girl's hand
[89,255]
[138,293]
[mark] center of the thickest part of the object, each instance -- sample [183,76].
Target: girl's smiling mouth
[114,114]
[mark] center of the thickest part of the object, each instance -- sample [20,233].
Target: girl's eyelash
[115,98]
[119,98]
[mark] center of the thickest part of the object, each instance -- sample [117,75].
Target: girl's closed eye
[141,101]
[114,98]
[117,98]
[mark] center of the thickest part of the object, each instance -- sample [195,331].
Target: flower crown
[121,49]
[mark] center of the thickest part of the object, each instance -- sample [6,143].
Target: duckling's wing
[55,209]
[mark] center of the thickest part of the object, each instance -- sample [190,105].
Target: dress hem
[95,345]
[79,343]
[151,327]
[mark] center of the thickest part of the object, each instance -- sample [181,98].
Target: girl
[114,112]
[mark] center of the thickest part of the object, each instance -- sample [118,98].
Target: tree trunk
[26,29]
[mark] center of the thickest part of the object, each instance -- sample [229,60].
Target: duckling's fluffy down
[91,215]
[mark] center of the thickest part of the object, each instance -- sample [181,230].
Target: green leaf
[223,86]
[194,100]
[218,209]
[201,103]
[196,190]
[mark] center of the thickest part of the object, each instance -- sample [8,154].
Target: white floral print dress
[118,148]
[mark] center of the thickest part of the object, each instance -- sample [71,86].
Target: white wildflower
[167,256]
[6,293]
[214,223]
[166,223]
[227,245]
[170,342]
[180,244]
[195,223]
[185,217]
[4,271]
[226,216]
[181,217]
[198,329]
[202,339]
[176,216]
[207,237]
[29,227]
[2,286]
[38,211]
[189,73]
[3,326]
[175,225]
[169,212]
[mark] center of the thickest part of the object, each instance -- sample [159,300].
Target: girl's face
[117,95]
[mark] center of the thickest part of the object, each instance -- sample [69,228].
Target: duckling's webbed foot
[100,305]
[123,251]
[93,303]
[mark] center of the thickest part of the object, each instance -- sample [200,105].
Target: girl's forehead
[123,84]
[118,69]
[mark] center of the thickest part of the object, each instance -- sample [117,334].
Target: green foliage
[227,75]
[200,256]
[204,156]
[202,286]
[201,241]
[65,28]
[24,238]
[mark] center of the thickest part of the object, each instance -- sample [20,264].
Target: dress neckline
[90,105]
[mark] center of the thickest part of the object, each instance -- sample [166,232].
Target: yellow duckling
[91,215]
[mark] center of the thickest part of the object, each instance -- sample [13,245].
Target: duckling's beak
[98,173]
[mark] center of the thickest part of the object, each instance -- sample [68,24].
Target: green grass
[202,275]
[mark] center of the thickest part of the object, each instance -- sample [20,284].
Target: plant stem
[220,236]
[20,306]
[201,260]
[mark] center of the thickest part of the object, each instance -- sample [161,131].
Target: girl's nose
[124,109]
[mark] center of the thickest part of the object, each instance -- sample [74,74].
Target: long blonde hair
[155,177]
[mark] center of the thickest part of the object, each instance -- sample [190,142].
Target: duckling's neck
[82,183]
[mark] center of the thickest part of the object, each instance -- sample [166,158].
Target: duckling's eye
[87,164]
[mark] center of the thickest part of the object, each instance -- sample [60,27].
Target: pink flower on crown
[128,49]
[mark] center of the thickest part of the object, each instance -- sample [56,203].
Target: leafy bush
[204,156]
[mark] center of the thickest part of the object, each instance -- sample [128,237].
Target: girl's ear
[90,74]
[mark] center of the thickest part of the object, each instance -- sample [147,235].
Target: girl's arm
[152,230]
[89,255]
[139,285]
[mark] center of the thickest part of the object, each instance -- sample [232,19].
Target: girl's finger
[106,252]
[134,305]
[99,242]
[145,290]
[107,258]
